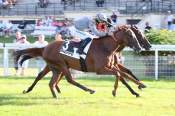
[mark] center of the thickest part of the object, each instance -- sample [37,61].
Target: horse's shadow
[16,100]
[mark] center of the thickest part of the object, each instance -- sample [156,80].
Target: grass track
[156,100]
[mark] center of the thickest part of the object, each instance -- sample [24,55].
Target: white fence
[155,65]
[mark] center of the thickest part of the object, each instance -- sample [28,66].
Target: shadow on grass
[22,101]
[93,78]
[22,78]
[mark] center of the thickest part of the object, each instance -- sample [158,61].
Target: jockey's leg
[83,44]
[85,38]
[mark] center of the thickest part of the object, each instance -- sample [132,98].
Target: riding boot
[83,44]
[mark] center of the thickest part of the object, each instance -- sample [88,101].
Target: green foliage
[161,37]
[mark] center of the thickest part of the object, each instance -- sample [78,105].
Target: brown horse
[62,64]
[144,44]
[141,39]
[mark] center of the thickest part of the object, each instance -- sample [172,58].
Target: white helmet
[101,17]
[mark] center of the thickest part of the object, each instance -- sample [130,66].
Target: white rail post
[5,61]
[156,64]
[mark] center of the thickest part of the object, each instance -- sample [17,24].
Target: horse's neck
[109,44]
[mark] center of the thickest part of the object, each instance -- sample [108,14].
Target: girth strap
[83,65]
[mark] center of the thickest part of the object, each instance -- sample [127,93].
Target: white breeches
[80,34]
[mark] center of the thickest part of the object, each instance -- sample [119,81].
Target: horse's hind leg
[53,81]
[39,77]
[69,78]
[58,80]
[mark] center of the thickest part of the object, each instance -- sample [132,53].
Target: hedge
[161,37]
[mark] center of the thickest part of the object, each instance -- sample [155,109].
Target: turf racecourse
[157,100]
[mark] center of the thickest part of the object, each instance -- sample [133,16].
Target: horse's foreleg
[141,85]
[116,83]
[69,78]
[124,69]
[118,76]
[39,77]
[129,88]
[115,86]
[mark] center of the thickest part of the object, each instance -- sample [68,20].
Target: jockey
[81,25]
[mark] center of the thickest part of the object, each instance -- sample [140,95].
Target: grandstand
[129,9]
[57,7]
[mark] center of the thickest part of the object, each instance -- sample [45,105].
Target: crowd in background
[50,21]
[7,3]
[21,40]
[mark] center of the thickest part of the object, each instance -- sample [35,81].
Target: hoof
[24,92]
[55,97]
[59,91]
[92,92]
[113,93]
[141,86]
[137,95]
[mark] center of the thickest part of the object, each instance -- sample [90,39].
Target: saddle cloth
[71,49]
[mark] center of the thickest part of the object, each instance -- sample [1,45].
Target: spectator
[114,17]
[1,26]
[3,3]
[63,1]
[11,3]
[43,3]
[169,20]
[100,3]
[17,38]
[38,22]
[21,42]
[147,27]
[40,43]
[8,27]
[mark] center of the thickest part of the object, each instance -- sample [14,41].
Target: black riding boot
[83,44]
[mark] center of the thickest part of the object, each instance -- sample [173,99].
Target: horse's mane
[117,29]
[122,27]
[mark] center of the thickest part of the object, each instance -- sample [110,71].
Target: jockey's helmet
[101,17]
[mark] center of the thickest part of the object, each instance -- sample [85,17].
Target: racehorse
[99,49]
[144,44]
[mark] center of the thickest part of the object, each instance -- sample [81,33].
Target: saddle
[76,50]
[74,47]
[70,45]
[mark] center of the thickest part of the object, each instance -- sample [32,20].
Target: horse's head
[126,37]
[141,38]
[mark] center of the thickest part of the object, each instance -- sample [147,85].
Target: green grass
[156,100]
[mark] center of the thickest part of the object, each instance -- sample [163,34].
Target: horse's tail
[23,55]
